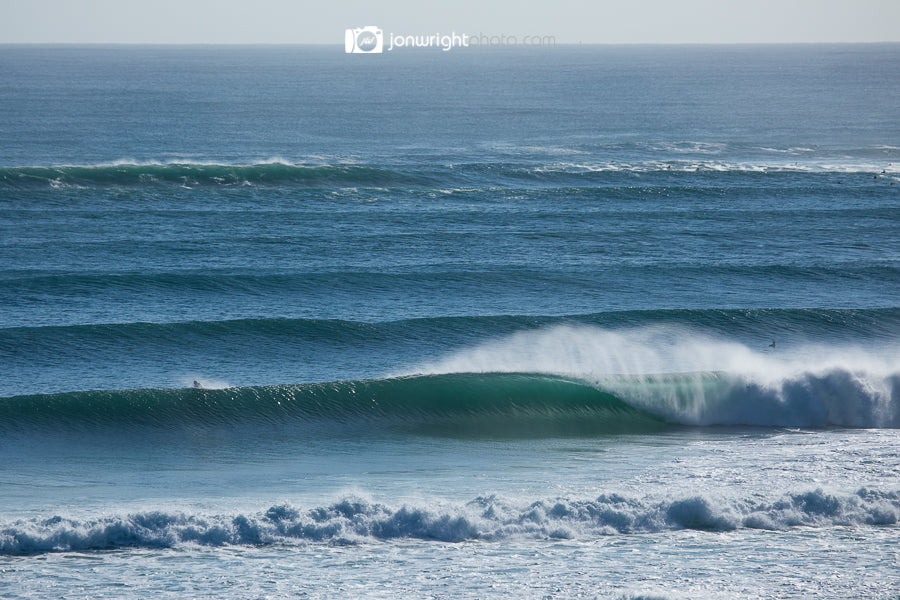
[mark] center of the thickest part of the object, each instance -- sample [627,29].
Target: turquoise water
[609,322]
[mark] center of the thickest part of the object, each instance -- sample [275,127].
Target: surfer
[197,385]
[772,345]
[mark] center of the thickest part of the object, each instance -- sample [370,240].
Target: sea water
[613,322]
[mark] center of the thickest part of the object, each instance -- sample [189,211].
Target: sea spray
[695,379]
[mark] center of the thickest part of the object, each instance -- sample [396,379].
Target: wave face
[356,520]
[495,404]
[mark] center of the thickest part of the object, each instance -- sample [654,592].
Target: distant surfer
[199,393]
[772,345]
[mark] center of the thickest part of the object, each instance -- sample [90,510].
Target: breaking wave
[357,520]
[548,377]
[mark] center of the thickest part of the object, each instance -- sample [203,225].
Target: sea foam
[355,520]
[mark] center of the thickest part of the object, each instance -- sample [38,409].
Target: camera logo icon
[364,40]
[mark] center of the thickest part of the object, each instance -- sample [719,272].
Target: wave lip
[356,520]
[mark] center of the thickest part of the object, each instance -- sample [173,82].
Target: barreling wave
[356,520]
[510,404]
[493,404]
[516,375]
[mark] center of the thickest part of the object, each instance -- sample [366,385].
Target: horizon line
[340,44]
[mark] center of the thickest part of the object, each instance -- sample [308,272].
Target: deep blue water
[226,187]
[516,281]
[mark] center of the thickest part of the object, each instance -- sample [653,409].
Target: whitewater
[589,322]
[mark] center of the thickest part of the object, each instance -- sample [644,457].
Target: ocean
[565,322]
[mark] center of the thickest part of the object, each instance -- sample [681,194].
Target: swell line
[447,172]
[205,175]
[875,322]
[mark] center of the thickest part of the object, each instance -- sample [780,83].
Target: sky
[565,21]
